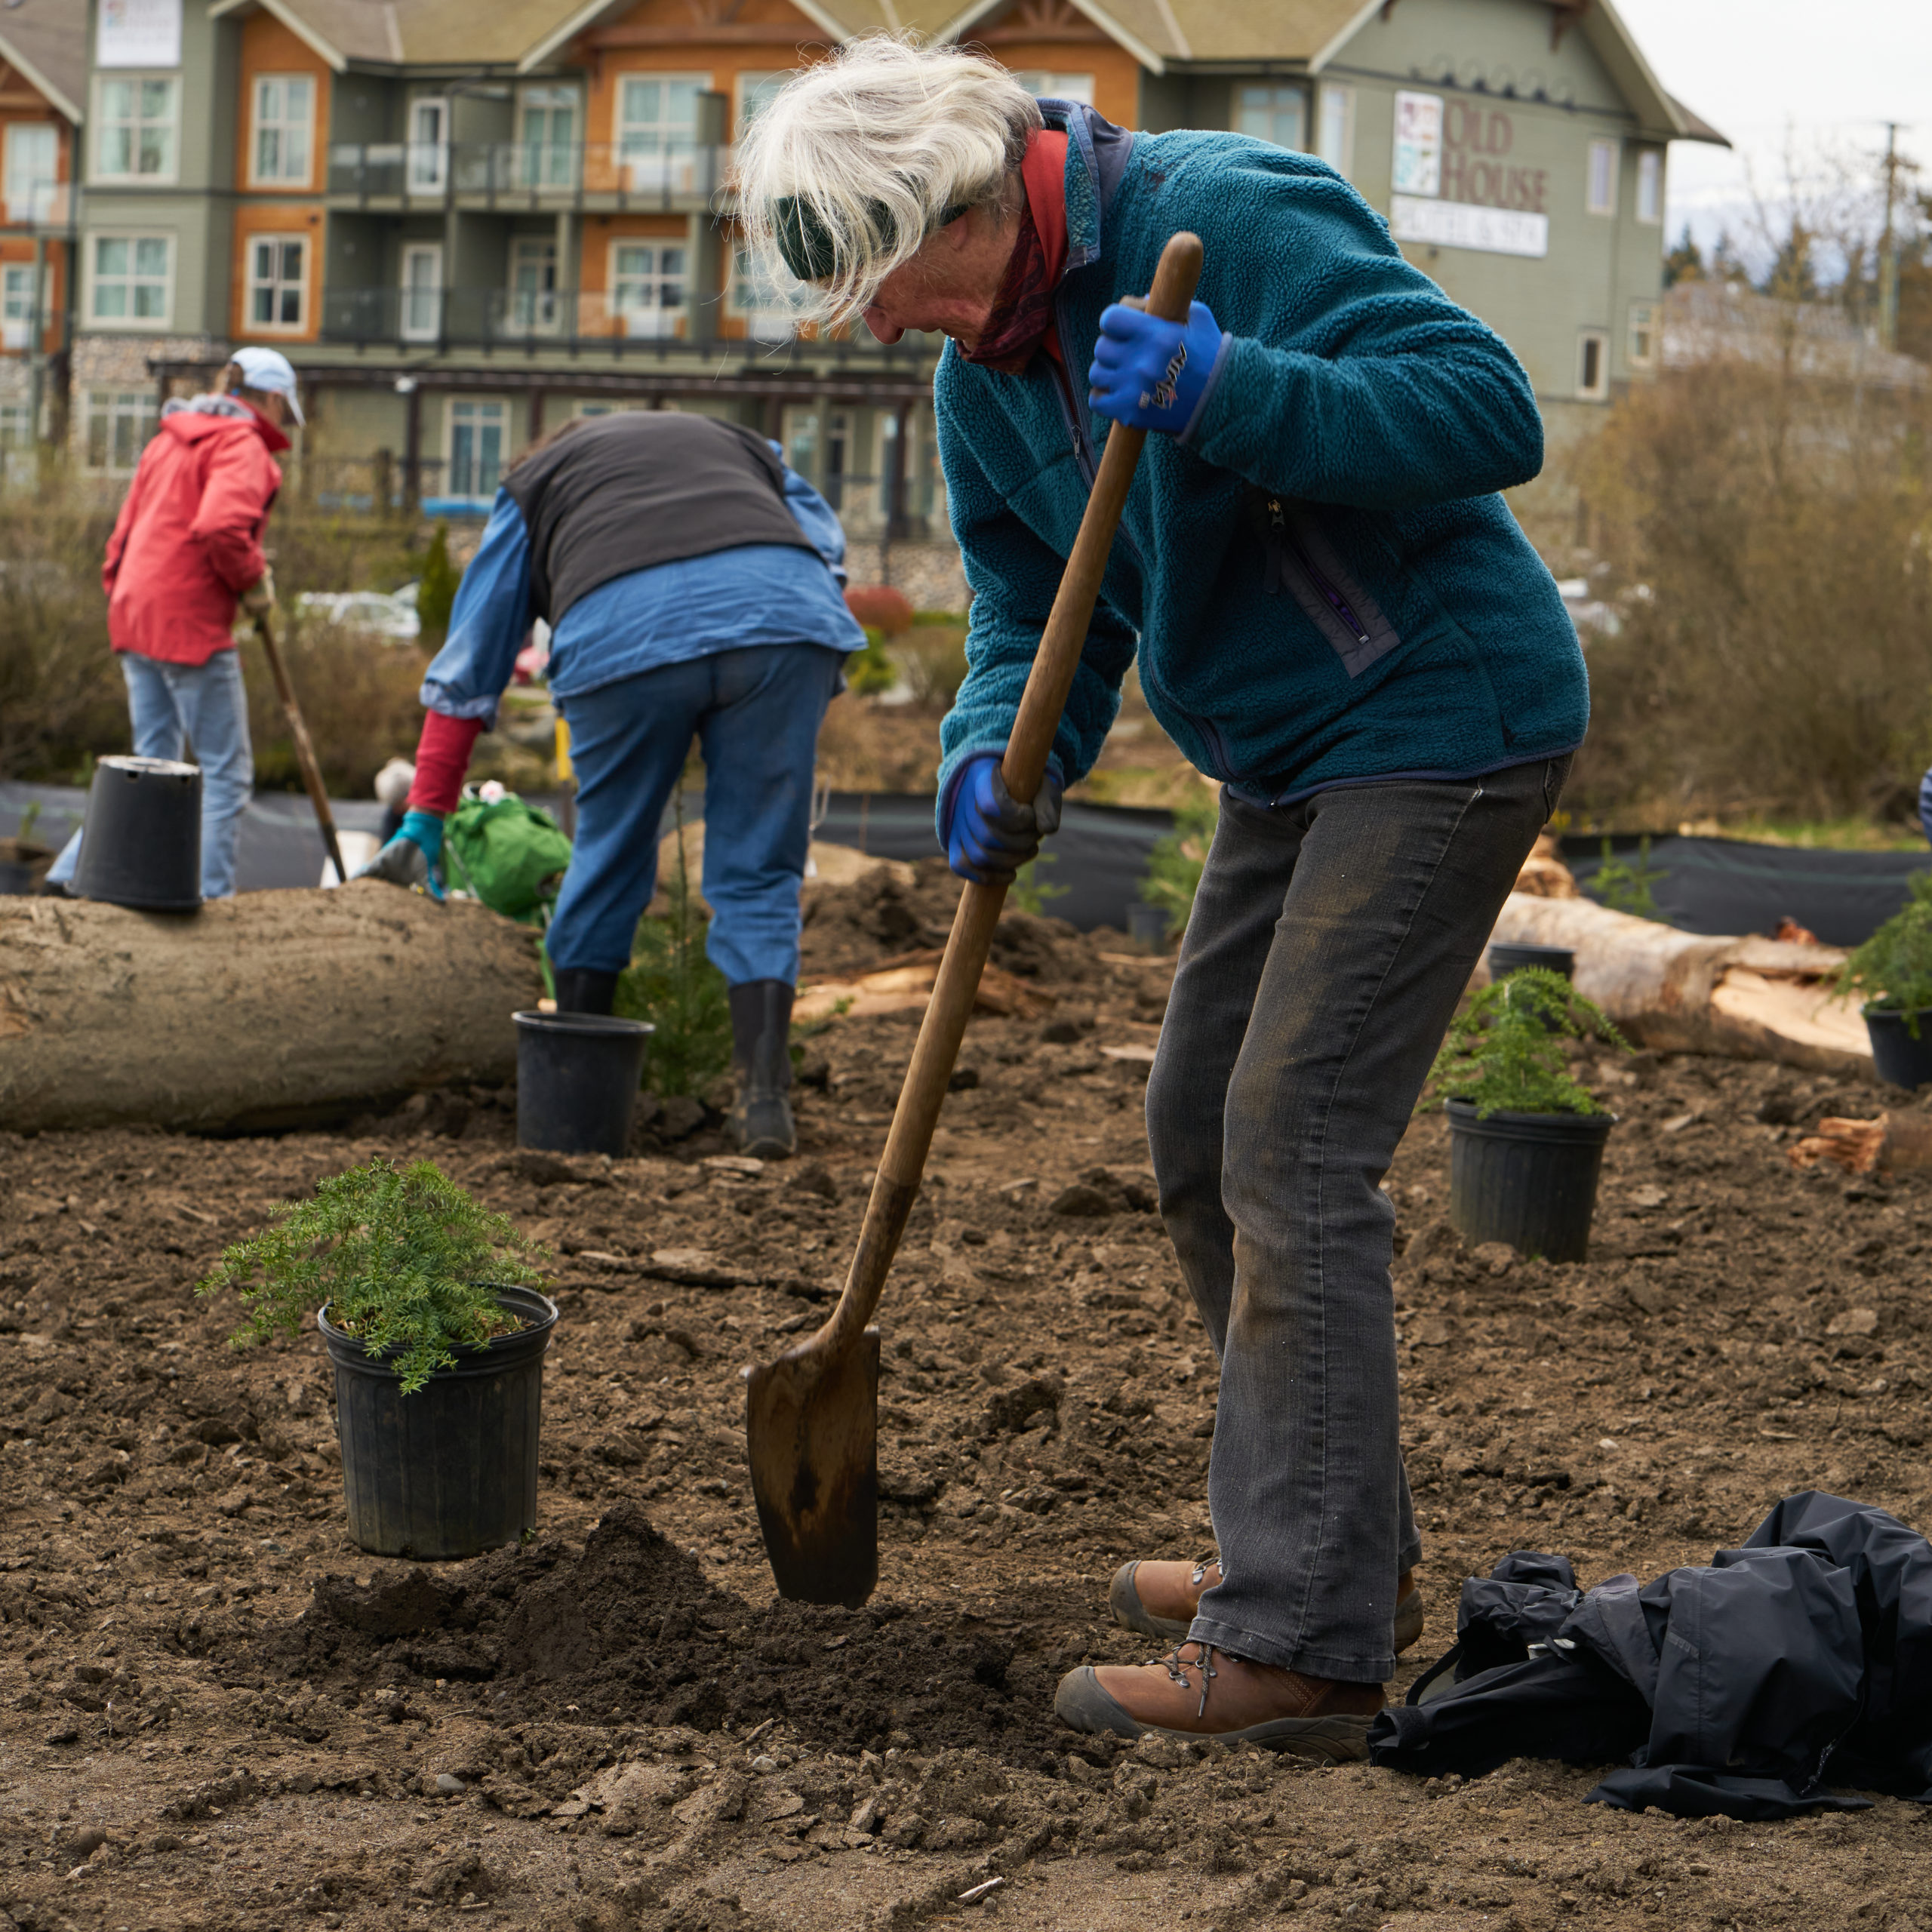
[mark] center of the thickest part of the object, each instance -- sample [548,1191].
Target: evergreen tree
[1684,262]
[435,589]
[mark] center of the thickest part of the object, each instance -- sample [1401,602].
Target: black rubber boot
[581,990]
[761,1058]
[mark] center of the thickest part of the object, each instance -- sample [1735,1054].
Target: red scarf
[1021,319]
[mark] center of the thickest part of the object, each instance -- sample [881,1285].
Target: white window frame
[110,407]
[33,201]
[103,85]
[656,320]
[19,462]
[128,324]
[1335,127]
[426,167]
[538,311]
[746,90]
[1601,164]
[473,409]
[17,304]
[283,125]
[1649,186]
[1281,91]
[252,281]
[1599,390]
[531,171]
[651,156]
[411,326]
[1640,345]
[1047,84]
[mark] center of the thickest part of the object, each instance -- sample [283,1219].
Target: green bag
[509,853]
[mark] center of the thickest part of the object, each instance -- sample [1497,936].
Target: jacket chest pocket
[1299,559]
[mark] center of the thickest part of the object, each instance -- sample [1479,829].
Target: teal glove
[409,859]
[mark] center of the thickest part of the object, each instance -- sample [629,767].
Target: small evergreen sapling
[1893,970]
[1175,865]
[1504,1051]
[403,1259]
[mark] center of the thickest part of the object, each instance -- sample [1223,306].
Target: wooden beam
[1563,13]
[738,33]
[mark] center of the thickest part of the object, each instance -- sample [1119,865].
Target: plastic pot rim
[1873,1009]
[350,1352]
[1574,1126]
[590,1025]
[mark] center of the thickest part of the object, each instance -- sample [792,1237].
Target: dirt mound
[629,1631]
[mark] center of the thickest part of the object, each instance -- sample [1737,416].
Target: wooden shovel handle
[305,751]
[897,1186]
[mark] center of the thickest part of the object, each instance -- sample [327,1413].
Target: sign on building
[1456,186]
[1418,144]
[138,33]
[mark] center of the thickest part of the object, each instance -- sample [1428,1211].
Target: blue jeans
[756,713]
[1329,944]
[169,706]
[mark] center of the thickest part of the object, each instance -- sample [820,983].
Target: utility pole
[1888,247]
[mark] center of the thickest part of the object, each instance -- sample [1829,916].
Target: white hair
[866,153]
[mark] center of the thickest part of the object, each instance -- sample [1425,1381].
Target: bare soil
[215,1711]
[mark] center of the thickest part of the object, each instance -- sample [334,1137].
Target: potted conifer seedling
[427,1303]
[1893,970]
[1526,1138]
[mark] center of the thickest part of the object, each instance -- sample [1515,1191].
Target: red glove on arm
[442,757]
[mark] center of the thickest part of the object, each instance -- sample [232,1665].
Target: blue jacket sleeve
[1362,385]
[819,520]
[1013,575]
[488,626]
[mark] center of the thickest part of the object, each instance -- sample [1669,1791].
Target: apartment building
[465,219]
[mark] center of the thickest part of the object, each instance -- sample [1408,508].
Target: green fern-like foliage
[403,1258]
[1504,1051]
[1177,862]
[1892,971]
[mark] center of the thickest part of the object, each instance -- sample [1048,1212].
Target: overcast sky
[1819,76]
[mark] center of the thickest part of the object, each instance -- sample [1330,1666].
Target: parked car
[391,615]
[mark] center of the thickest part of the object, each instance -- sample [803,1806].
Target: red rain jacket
[187,541]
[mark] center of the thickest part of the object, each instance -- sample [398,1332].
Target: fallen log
[269,1010]
[1746,999]
[1894,1143]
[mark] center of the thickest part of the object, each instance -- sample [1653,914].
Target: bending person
[691,580]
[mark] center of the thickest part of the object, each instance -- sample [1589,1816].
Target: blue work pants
[756,712]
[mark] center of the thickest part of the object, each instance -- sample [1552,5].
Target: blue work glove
[988,836]
[1149,374]
[410,858]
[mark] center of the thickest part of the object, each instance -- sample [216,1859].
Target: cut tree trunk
[1748,998]
[270,1009]
[1896,1143]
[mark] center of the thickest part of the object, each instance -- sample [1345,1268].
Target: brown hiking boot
[1198,1691]
[1161,1599]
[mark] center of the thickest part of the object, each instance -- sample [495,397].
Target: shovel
[305,752]
[812,1416]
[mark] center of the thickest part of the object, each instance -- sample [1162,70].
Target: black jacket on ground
[1804,1658]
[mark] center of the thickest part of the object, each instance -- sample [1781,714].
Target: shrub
[1628,886]
[1175,865]
[358,696]
[1504,1051]
[933,657]
[870,671]
[403,1259]
[880,607]
[436,589]
[1893,969]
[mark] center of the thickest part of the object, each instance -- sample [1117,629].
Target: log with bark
[1748,998]
[1894,1143]
[270,1009]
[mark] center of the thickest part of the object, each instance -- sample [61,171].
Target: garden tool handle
[896,1184]
[305,752]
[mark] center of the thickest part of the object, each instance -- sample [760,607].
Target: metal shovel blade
[812,1439]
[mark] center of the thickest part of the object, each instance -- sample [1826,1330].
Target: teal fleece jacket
[1323,586]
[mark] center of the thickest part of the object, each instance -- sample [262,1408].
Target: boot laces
[1210,1562]
[1177,1667]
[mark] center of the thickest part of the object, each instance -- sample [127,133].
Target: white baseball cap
[270,370]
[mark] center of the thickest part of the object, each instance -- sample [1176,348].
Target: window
[647,287]
[768,302]
[1045,86]
[1601,196]
[1272,114]
[132,277]
[33,163]
[429,144]
[276,290]
[119,423]
[1336,142]
[1641,352]
[476,450]
[755,91]
[533,302]
[422,317]
[546,147]
[18,462]
[1649,184]
[1593,365]
[657,128]
[134,134]
[285,125]
[16,306]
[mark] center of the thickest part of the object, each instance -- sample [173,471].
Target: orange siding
[21,104]
[15,249]
[259,218]
[268,47]
[1115,71]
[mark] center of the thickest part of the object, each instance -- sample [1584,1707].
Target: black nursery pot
[1504,960]
[1896,1055]
[1530,1180]
[576,1081]
[142,845]
[451,1470]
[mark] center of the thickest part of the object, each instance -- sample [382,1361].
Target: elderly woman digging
[1335,616]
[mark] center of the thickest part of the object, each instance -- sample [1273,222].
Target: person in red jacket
[186,551]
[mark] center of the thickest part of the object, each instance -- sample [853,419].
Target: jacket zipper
[1278,524]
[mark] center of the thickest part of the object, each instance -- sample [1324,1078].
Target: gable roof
[397,33]
[46,42]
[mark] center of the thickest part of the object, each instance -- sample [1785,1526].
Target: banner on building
[1465,225]
[1418,143]
[138,33]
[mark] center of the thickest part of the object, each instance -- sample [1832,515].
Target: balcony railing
[48,204]
[641,172]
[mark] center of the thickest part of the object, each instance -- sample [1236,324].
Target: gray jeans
[1329,944]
